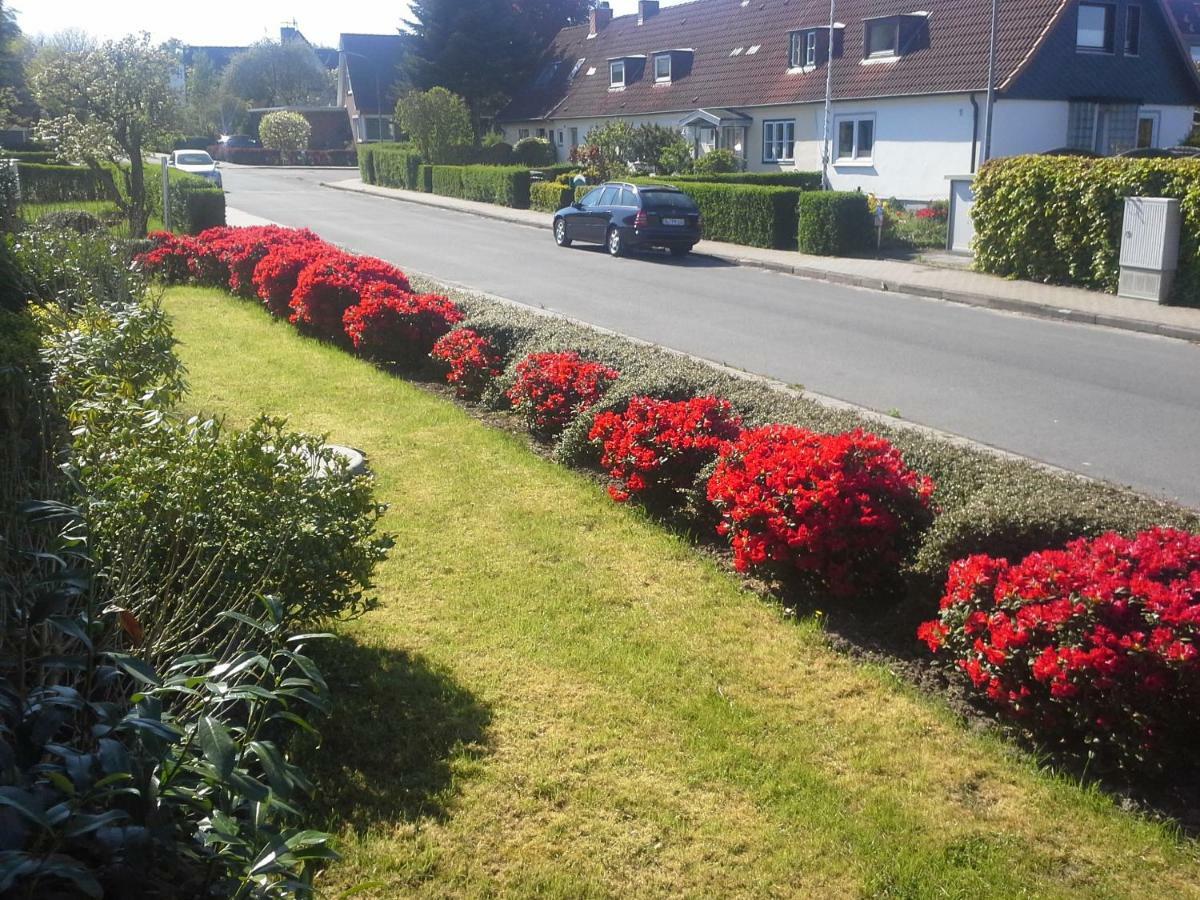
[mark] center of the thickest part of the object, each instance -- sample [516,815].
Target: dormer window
[810,46]
[662,67]
[1095,27]
[883,38]
[889,37]
[616,73]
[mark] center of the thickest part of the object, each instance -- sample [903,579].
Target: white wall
[1175,124]
[1028,126]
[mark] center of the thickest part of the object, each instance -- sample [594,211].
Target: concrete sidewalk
[953,285]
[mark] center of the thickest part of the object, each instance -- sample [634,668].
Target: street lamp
[378,95]
[991,87]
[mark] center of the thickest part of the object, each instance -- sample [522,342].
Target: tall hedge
[366,164]
[396,166]
[833,223]
[1058,219]
[501,185]
[41,183]
[809,181]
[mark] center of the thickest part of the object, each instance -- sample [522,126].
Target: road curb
[963,298]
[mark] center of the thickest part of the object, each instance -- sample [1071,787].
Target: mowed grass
[557,698]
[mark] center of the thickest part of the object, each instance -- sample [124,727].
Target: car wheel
[680,251]
[560,233]
[616,246]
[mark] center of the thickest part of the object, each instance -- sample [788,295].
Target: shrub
[844,508]
[502,185]
[446,181]
[1059,219]
[1093,647]
[77,220]
[285,131]
[677,158]
[331,283]
[276,274]
[809,181]
[393,326]
[552,388]
[550,196]
[656,448]
[471,361]
[495,151]
[437,121]
[833,223]
[397,166]
[196,203]
[41,183]
[242,249]
[532,152]
[366,164]
[744,214]
[425,177]
[717,162]
[170,260]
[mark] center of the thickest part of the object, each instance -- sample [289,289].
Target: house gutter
[974,132]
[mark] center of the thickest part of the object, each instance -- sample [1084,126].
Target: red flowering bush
[658,447]
[393,326]
[243,249]
[1092,645]
[333,282]
[471,360]
[208,265]
[843,507]
[553,388]
[170,259]
[276,273]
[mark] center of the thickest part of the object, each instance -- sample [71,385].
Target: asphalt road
[1111,404]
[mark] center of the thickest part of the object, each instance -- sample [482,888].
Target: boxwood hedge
[833,223]
[550,196]
[1058,218]
[196,203]
[809,181]
[986,503]
[395,166]
[501,185]
[43,183]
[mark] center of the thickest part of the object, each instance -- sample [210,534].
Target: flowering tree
[285,131]
[109,104]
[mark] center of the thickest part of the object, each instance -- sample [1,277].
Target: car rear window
[672,200]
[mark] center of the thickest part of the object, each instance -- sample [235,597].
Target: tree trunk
[138,214]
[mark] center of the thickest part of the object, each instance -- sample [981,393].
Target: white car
[197,162]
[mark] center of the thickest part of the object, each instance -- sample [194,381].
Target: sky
[222,22]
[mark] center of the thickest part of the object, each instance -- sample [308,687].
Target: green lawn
[104,209]
[557,698]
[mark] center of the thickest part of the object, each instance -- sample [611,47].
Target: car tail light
[641,220]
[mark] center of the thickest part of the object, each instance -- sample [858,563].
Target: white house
[909,86]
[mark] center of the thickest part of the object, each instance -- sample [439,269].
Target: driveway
[1111,404]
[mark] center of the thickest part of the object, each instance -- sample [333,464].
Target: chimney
[601,15]
[646,9]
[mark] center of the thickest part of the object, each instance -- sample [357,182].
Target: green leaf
[217,745]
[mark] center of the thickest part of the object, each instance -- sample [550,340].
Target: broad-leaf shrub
[333,282]
[276,274]
[844,507]
[471,361]
[552,388]
[244,248]
[393,326]
[171,257]
[1093,646]
[656,448]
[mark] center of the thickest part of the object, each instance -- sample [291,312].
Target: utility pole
[989,116]
[166,194]
[828,96]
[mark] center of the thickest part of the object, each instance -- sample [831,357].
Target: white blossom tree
[108,105]
[285,131]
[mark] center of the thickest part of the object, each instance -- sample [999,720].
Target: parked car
[239,142]
[197,162]
[626,217]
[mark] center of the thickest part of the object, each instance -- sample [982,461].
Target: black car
[240,142]
[627,217]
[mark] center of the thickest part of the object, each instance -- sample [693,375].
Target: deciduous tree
[272,74]
[437,121]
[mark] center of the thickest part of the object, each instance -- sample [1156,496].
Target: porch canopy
[715,118]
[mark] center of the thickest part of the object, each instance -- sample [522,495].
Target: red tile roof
[954,59]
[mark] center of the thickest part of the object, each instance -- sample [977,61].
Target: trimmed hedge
[1058,219]
[425,178]
[45,157]
[42,183]
[396,166]
[196,203]
[501,185]
[833,223]
[261,156]
[366,163]
[808,181]
[550,196]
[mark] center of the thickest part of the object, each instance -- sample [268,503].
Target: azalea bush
[276,274]
[393,326]
[244,248]
[170,258]
[1093,646]
[656,448]
[843,508]
[471,362]
[333,282]
[552,388]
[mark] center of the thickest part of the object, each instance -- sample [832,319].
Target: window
[541,132]
[855,139]
[883,38]
[662,67]
[779,140]
[1133,30]
[1094,31]
[1147,130]
[522,133]
[616,73]
[810,49]
[591,198]
[609,196]
[561,138]
[574,137]
[628,198]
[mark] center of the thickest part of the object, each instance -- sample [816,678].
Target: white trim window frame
[861,149]
[892,24]
[660,78]
[779,140]
[1107,28]
[810,48]
[613,67]
[1154,117]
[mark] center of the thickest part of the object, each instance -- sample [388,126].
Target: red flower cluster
[472,361]
[1096,643]
[843,507]
[333,282]
[552,388]
[276,274]
[658,447]
[933,213]
[170,258]
[396,327]
[244,248]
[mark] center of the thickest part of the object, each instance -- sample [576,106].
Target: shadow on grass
[391,744]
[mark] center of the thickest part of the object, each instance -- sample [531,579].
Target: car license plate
[674,221]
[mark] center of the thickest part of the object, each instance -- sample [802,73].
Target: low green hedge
[41,183]
[196,203]
[366,164]
[808,181]
[1058,218]
[501,185]
[45,157]
[425,178]
[396,166]
[833,223]
[550,196]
